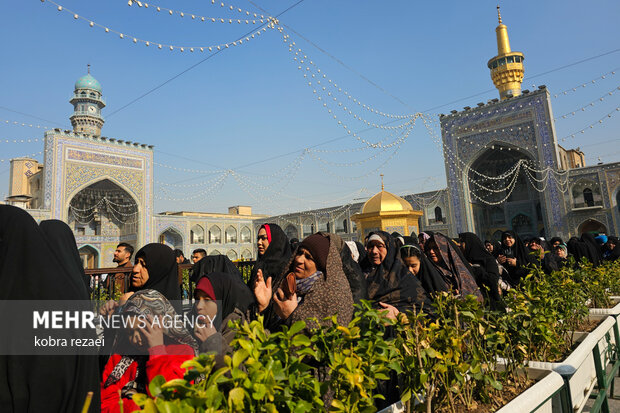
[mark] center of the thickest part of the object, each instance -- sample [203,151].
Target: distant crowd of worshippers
[317,277]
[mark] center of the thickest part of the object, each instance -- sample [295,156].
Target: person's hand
[512,261]
[284,306]
[204,330]
[108,308]
[153,332]
[392,312]
[501,259]
[262,290]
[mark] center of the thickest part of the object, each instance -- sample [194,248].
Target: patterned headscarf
[147,303]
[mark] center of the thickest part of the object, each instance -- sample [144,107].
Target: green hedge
[445,363]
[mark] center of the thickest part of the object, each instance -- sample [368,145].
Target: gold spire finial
[507,66]
[382,187]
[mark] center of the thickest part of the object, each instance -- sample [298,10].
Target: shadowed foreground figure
[31,270]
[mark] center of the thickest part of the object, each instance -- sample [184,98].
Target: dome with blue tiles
[88,82]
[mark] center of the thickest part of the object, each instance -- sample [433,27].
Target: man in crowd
[198,254]
[122,257]
[180,257]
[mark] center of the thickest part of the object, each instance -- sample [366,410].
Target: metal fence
[112,283]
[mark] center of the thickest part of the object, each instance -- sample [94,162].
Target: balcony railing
[118,280]
[100,98]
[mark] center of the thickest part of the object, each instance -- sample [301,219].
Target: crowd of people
[319,277]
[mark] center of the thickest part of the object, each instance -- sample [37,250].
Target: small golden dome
[386,202]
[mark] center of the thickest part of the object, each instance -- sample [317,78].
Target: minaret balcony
[87,97]
[87,113]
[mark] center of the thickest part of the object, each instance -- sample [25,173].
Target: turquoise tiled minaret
[87,104]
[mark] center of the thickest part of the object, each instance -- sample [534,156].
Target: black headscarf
[163,272]
[391,282]
[578,249]
[487,273]
[275,259]
[594,251]
[553,241]
[230,293]
[429,276]
[62,242]
[214,263]
[521,253]
[30,270]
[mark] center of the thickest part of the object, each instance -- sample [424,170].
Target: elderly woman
[454,268]
[155,268]
[148,347]
[314,285]
[390,284]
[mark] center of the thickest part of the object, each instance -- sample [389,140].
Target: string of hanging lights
[164,46]
[511,174]
[592,125]
[356,163]
[590,104]
[301,57]
[31,155]
[22,140]
[606,75]
[354,178]
[206,192]
[29,125]
[193,171]
[249,18]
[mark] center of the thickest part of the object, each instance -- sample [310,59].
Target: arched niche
[232,255]
[307,227]
[196,235]
[291,231]
[231,235]
[586,193]
[246,235]
[215,235]
[89,256]
[172,238]
[592,226]
[246,254]
[104,208]
[497,188]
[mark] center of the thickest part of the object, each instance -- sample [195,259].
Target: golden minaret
[507,66]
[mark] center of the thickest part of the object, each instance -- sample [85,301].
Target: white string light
[163,46]
[193,171]
[207,19]
[210,190]
[589,82]
[512,173]
[32,155]
[592,125]
[590,104]
[29,125]
[22,140]
[302,57]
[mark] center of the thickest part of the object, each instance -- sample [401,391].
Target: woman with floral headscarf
[454,268]
[154,343]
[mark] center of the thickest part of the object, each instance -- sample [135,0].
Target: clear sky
[249,109]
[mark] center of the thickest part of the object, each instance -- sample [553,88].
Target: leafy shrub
[456,360]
